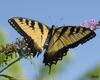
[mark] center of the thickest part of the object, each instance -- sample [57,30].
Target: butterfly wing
[34,32]
[63,39]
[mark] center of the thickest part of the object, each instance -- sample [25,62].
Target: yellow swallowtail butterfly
[56,41]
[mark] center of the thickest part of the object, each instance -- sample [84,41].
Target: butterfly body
[56,41]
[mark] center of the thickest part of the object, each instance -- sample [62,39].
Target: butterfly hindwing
[33,31]
[63,39]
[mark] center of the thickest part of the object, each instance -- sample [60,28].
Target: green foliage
[2,58]
[93,74]
[13,69]
[2,42]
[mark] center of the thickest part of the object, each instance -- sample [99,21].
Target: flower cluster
[92,24]
[17,49]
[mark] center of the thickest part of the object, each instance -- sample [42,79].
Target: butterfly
[55,40]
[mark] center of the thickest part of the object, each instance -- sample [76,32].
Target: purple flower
[92,24]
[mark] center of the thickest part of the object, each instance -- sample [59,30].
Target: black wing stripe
[32,24]
[41,27]
[71,31]
[56,41]
[56,30]
[27,21]
[78,29]
[62,32]
[20,19]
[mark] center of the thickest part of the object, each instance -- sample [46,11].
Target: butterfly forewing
[33,31]
[64,38]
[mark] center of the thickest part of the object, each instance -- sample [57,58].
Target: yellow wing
[64,38]
[34,32]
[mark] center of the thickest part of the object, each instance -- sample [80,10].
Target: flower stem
[10,64]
